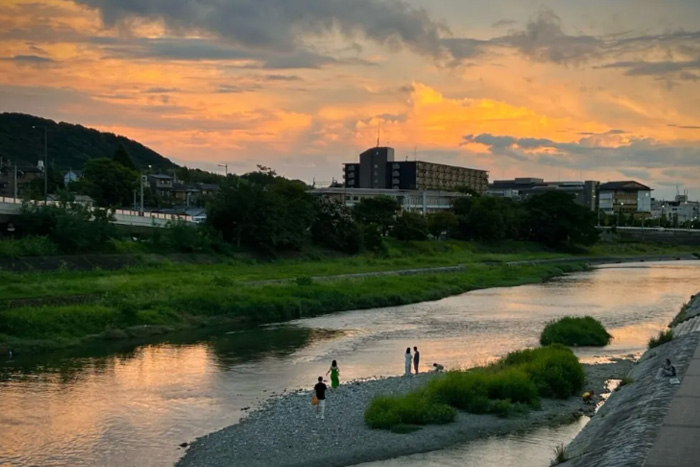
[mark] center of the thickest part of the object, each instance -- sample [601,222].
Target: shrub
[575,331]
[28,246]
[410,226]
[662,338]
[555,370]
[335,227]
[304,281]
[415,408]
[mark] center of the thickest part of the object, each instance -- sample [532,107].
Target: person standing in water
[409,359]
[416,359]
[335,373]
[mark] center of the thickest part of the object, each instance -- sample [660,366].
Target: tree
[554,219]
[122,157]
[488,218]
[109,183]
[334,227]
[262,211]
[54,183]
[442,222]
[410,226]
[379,210]
[74,228]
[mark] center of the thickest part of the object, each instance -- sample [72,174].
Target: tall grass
[514,383]
[575,331]
[662,338]
[180,300]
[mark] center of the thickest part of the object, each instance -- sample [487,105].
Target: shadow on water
[226,349]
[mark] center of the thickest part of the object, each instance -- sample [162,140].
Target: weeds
[559,455]
[662,338]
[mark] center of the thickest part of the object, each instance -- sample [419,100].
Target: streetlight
[225,166]
[46,162]
[141,183]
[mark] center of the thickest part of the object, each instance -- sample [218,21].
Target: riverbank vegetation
[185,300]
[575,331]
[662,338]
[513,384]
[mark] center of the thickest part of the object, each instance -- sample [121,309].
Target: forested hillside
[69,146]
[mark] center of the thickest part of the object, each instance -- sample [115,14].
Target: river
[132,404]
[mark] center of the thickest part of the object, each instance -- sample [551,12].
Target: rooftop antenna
[379,128]
[414,153]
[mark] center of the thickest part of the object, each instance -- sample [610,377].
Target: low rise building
[585,192]
[680,211]
[422,202]
[625,197]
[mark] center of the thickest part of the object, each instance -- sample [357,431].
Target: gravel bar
[284,431]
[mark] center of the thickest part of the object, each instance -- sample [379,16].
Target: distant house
[184,194]
[72,176]
[24,176]
[625,197]
[208,188]
[161,184]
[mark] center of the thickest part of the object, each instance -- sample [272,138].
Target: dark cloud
[237,89]
[684,127]
[30,59]
[642,68]
[503,23]
[282,78]
[642,153]
[160,90]
[283,25]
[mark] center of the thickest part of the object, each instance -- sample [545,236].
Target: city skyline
[550,89]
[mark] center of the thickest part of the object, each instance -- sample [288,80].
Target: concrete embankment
[623,432]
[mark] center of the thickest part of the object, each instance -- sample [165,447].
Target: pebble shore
[284,431]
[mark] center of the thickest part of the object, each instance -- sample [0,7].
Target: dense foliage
[575,331]
[513,384]
[73,228]
[335,228]
[107,182]
[661,339]
[262,211]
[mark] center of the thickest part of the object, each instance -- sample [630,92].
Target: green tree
[109,183]
[74,228]
[410,226]
[54,183]
[442,222]
[555,219]
[379,210]
[334,227]
[122,157]
[262,211]
[488,218]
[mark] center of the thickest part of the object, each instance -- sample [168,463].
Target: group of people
[415,360]
[319,397]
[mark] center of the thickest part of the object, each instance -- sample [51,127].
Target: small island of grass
[513,384]
[575,331]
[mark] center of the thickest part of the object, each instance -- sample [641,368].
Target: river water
[133,404]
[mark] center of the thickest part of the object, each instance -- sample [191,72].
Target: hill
[69,146]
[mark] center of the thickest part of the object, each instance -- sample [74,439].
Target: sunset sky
[561,89]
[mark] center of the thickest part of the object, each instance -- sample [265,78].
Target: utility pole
[15,181]
[46,163]
[225,166]
[141,183]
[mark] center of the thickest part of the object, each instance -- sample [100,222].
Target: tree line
[263,211]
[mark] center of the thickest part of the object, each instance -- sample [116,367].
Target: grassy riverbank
[182,304]
[45,310]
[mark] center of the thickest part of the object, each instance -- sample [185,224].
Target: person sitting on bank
[438,367]
[588,396]
[667,370]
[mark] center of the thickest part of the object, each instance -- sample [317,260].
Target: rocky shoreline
[284,432]
[625,428]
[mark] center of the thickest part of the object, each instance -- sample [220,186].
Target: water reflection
[131,404]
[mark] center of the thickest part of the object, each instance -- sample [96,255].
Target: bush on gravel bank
[575,331]
[513,384]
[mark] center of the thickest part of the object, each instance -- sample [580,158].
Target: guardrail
[119,212]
